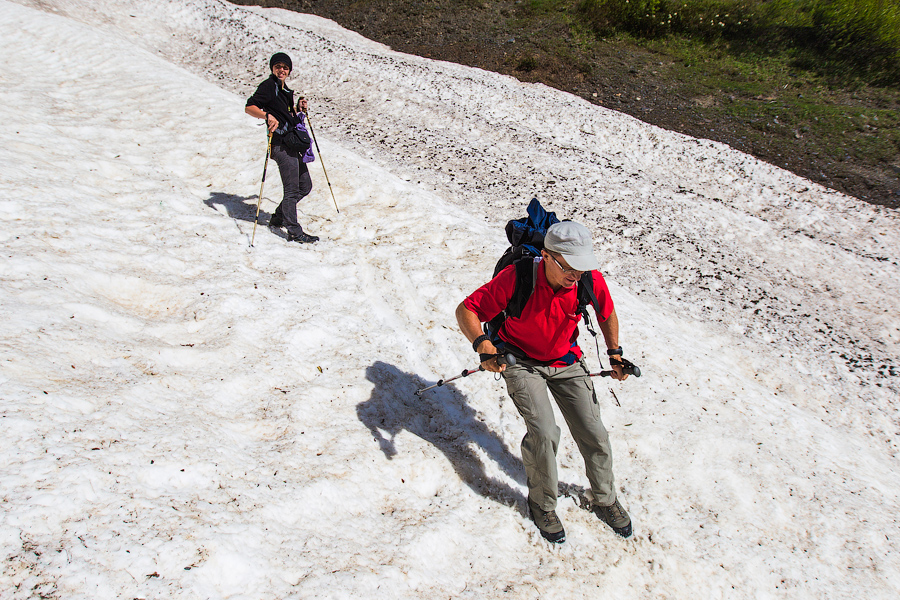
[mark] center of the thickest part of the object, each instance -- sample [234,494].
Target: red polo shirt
[548,327]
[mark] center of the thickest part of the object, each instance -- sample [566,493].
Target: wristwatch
[478,341]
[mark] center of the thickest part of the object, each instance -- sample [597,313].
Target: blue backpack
[526,238]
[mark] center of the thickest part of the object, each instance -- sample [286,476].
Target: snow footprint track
[397,304]
[387,292]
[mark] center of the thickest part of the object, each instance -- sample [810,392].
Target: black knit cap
[280,57]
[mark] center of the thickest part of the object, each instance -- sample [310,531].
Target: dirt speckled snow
[185,416]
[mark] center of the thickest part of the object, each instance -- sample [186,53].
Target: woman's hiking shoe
[614,516]
[548,523]
[275,220]
[302,238]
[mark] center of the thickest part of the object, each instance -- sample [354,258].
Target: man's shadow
[241,208]
[443,419]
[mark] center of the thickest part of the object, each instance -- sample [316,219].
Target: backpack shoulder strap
[526,277]
[586,294]
[587,297]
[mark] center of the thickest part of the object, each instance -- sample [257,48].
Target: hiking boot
[614,516]
[302,237]
[548,523]
[275,220]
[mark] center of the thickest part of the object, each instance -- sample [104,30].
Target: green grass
[831,130]
[795,72]
[811,77]
[837,38]
[816,78]
[784,104]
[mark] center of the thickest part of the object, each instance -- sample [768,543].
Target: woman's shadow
[443,419]
[240,208]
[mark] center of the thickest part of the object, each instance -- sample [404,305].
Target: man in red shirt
[544,340]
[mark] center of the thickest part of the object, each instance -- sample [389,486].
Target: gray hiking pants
[527,383]
[297,185]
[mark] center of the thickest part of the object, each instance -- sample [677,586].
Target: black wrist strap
[486,357]
[614,351]
[478,340]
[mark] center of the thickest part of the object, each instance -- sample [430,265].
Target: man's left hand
[618,371]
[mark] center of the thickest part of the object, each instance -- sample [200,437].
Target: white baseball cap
[573,242]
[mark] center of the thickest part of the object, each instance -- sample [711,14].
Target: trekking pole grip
[502,359]
[506,359]
[627,369]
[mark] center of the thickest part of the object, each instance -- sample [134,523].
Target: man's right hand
[491,364]
[471,328]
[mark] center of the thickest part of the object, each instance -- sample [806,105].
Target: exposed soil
[508,37]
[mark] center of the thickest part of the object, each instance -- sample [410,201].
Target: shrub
[655,18]
[866,30]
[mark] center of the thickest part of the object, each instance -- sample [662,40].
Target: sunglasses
[564,269]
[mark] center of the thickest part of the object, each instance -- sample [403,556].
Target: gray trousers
[297,185]
[527,383]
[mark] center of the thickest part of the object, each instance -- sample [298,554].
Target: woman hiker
[274,102]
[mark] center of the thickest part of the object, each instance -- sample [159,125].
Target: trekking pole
[263,183]
[316,142]
[503,359]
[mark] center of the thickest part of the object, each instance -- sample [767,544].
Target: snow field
[168,432]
